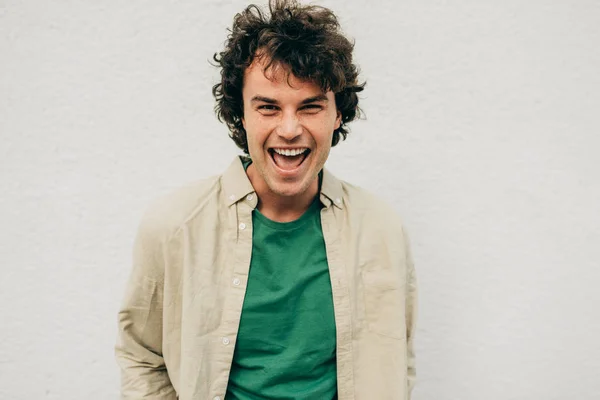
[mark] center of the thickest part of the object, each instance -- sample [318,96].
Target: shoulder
[166,214]
[377,223]
[372,209]
[365,201]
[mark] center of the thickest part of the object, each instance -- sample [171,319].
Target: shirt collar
[237,186]
[331,190]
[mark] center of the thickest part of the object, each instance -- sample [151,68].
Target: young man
[274,280]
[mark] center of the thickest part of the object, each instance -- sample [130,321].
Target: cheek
[332,121]
[256,132]
[324,131]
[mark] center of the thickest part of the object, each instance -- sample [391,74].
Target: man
[274,280]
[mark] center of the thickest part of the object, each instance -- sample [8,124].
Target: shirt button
[225,341]
[232,197]
[236,281]
[250,197]
[217,398]
[338,200]
[242,226]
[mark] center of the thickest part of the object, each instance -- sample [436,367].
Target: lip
[289,173]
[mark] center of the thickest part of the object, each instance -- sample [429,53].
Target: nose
[289,127]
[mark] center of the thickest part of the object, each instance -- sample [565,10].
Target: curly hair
[305,40]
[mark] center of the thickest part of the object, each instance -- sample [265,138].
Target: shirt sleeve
[139,345]
[411,315]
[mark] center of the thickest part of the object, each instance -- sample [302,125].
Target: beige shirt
[179,318]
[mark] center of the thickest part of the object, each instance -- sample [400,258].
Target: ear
[338,121]
[244,123]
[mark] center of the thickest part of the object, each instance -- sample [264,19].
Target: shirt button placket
[234,301]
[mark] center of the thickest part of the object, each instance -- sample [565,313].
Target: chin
[289,189]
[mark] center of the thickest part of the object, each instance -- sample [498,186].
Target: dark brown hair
[305,40]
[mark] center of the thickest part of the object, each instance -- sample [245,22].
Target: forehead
[275,80]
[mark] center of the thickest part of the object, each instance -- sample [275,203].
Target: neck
[281,208]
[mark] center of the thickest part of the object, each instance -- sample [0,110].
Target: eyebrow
[308,100]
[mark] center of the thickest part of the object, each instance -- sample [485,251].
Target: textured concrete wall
[482,129]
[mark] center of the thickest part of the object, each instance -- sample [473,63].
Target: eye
[267,107]
[313,108]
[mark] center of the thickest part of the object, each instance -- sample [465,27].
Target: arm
[411,314]
[139,347]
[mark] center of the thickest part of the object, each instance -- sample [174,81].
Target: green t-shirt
[286,342]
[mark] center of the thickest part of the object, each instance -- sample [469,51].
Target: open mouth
[289,159]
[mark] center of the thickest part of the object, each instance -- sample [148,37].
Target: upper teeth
[289,152]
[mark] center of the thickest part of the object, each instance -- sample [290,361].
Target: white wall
[482,129]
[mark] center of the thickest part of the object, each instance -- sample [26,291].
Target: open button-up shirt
[180,314]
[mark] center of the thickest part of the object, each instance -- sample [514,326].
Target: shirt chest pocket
[384,299]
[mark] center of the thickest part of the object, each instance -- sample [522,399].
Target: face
[289,125]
